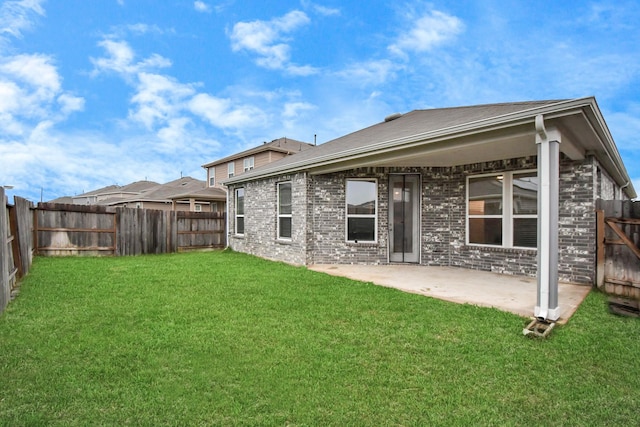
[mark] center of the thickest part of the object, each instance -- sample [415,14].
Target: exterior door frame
[415,255]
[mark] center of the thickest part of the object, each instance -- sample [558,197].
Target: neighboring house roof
[184,188]
[66,200]
[112,192]
[281,145]
[99,191]
[165,192]
[460,135]
[212,194]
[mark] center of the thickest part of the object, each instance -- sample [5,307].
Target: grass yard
[228,339]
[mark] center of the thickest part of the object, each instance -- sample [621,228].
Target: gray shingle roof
[407,125]
[283,145]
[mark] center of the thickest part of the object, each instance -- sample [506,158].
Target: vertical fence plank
[621,270]
[5,286]
[24,234]
[15,244]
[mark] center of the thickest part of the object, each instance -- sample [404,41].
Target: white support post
[548,142]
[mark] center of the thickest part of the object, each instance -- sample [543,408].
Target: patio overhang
[579,121]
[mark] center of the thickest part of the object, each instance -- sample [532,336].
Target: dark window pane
[240,201]
[361,229]
[284,198]
[285,228]
[525,194]
[240,225]
[525,232]
[361,197]
[485,231]
[485,196]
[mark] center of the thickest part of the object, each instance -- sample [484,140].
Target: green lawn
[222,338]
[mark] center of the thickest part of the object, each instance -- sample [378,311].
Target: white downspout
[548,177]
[227,220]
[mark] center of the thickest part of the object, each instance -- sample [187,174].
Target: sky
[95,93]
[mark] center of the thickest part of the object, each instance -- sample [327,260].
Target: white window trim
[212,177]
[507,210]
[347,215]
[280,215]
[231,169]
[248,163]
[244,195]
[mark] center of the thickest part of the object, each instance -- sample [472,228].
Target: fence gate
[618,266]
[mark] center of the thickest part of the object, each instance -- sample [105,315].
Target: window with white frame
[239,210]
[231,169]
[284,210]
[198,208]
[212,177]
[362,206]
[248,163]
[502,210]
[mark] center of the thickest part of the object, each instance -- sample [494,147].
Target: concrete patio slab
[508,293]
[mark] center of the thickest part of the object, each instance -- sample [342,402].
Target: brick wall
[321,200]
[260,220]
[499,260]
[327,238]
[577,220]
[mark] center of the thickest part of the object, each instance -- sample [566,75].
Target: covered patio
[509,293]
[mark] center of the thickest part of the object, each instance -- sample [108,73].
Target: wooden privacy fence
[59,229]
[16,250]
[98,230]
[618,257]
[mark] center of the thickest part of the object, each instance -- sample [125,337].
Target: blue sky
[94,93]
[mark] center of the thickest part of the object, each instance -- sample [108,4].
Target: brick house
[508,188]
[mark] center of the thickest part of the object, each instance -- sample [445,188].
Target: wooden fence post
[5,291]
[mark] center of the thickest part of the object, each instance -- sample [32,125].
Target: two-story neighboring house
[239,163]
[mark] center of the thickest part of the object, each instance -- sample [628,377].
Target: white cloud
[293,109]
[375,72]
[31,91]
[268,40]
[223,114]
[201,6]
[69,103]
[120,59]
[158,99]
[35,70]
[321,10]
[164,105]
[141,28]
[427,31]
[17,16]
